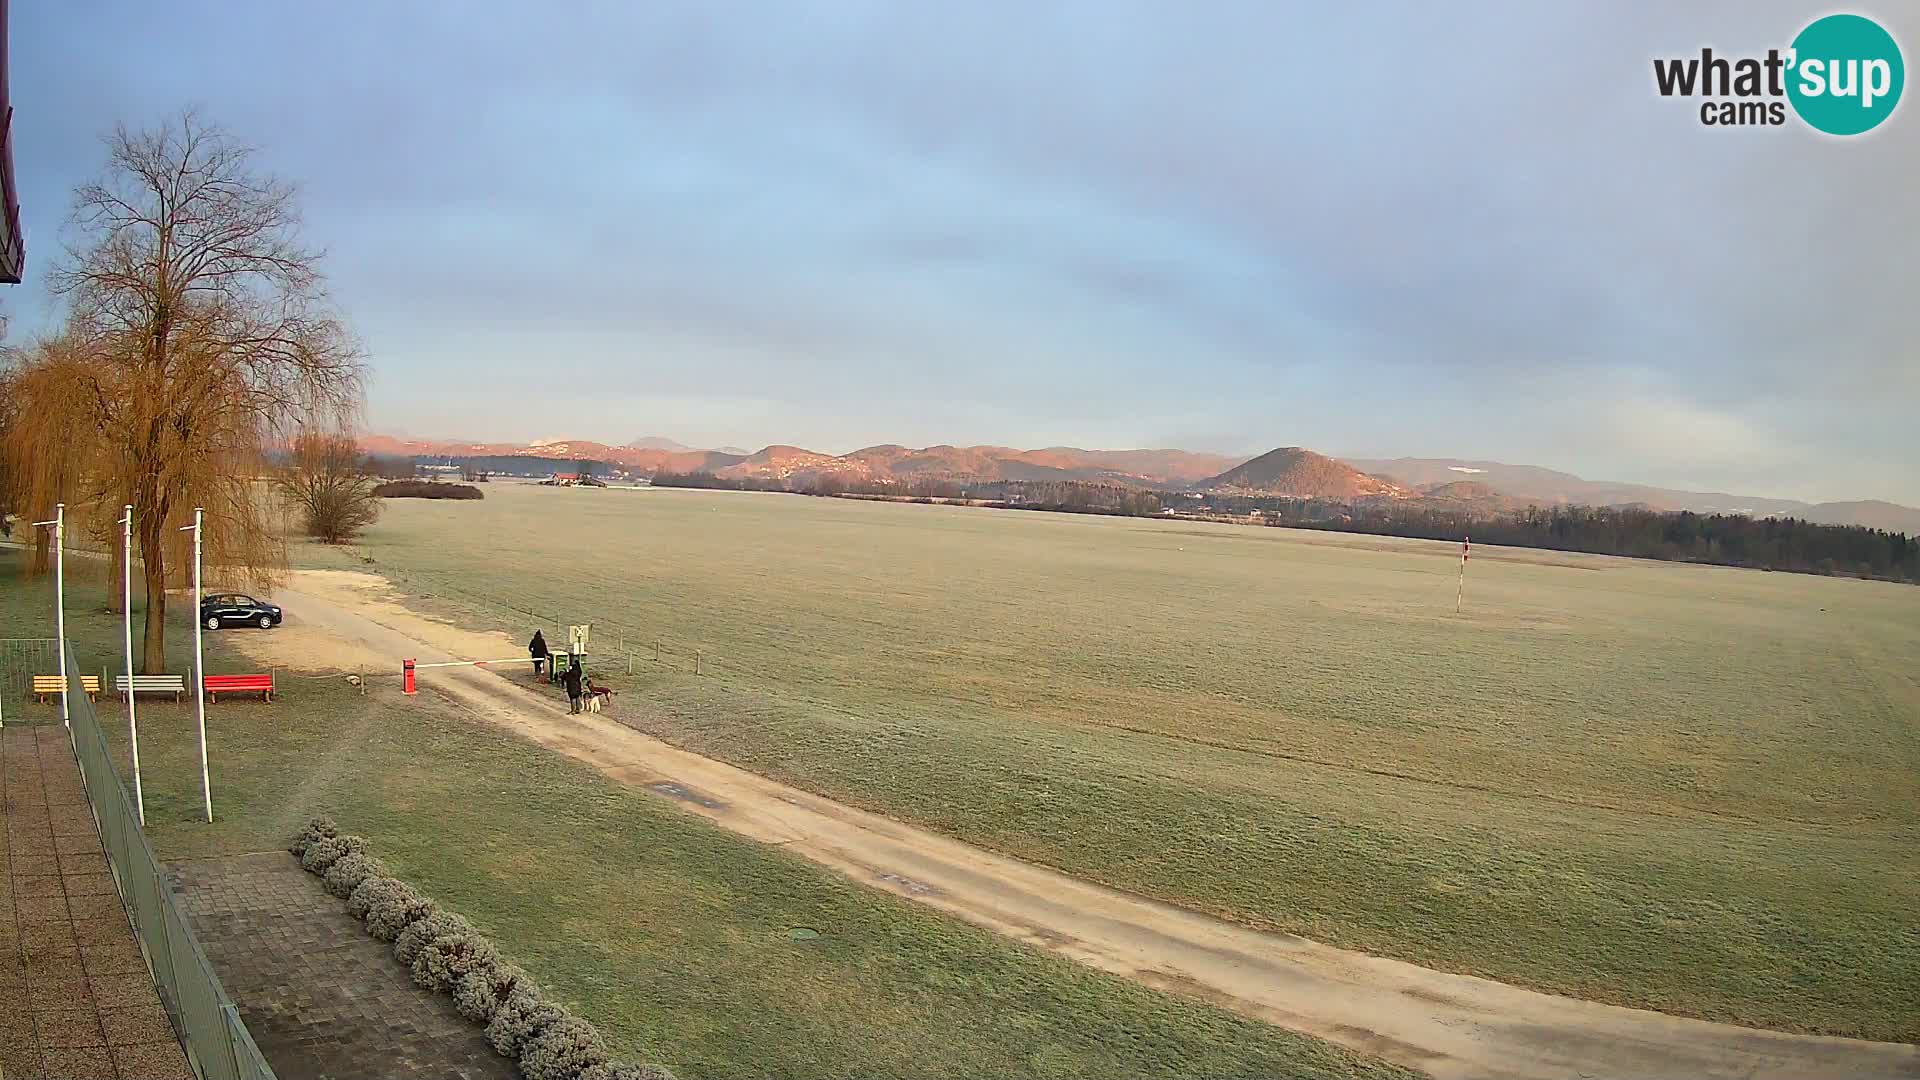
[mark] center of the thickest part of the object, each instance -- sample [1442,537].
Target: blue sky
[1373,230]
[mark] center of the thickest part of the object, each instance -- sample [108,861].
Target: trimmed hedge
[346,874]
[524,1014]
[427,489]
[408,945]
[446,954]
[562,1051]
[391,911]
[479,992]
[448,959]
[322,854]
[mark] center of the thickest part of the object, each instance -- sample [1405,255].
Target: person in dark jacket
[538,649]
[574,675]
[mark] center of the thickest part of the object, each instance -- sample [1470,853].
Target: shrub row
[427,489]
[448,955]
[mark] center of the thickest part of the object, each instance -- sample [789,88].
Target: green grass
[669,933]
[1686,788]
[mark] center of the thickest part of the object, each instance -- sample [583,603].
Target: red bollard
[406,679]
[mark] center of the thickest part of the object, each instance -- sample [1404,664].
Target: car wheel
[266,622]
[213,622]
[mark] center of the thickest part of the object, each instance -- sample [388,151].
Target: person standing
[537,648]
[574,675]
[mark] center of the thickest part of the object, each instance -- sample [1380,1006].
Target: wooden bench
[239,684]
[47,686]
[152,684]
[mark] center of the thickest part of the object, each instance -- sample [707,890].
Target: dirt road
[1448,1025]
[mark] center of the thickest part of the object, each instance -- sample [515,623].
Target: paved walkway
[322,999]
[75,997]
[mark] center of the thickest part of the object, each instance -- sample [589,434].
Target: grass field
[1687,788]
[669,933]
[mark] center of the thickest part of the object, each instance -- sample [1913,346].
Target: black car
[236,609]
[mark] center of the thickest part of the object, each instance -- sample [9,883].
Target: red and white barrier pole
[406,680]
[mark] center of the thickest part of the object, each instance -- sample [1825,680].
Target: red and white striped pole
[1466,549]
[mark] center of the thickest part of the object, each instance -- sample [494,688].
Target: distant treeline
[1064,496]
[1724,539]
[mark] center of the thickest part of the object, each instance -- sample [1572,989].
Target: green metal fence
[217,1043]
[20,660]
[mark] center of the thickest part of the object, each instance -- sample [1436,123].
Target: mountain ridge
[1300,473]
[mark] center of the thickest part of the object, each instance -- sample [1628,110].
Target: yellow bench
[46,686]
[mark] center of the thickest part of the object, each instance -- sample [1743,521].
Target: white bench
[152,684]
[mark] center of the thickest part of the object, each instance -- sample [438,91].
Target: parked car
[237,609]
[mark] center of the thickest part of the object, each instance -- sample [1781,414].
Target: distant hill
[655,442]
[1300,473]
[890,462]
[1166,469]
[1873,513]
[1548,487]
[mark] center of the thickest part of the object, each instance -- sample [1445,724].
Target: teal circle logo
[1845,74]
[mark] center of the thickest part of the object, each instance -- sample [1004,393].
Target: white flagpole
[1466,545]
[199,664]
[59,524]
[126,635]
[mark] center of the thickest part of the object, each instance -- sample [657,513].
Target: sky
[1375,230]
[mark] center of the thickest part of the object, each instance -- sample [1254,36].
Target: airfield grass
[669,933]
[1686,788]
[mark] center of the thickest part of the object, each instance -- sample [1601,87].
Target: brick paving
[323,1000]
[76,1000]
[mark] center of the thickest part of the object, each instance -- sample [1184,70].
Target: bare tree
[331,483]
[213,334]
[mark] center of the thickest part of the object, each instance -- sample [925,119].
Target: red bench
[239,684]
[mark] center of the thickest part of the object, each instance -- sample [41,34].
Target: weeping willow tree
[48,450]
[201,330]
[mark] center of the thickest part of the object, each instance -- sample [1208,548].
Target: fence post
[696,661]
[231,1015]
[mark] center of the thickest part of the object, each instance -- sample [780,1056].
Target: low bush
[446,959]
[348,871]
[389,914]
[525,1013]
[408,943]
[426,489]
[562,1051]
[316,829]
[322,854]
[479,992]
